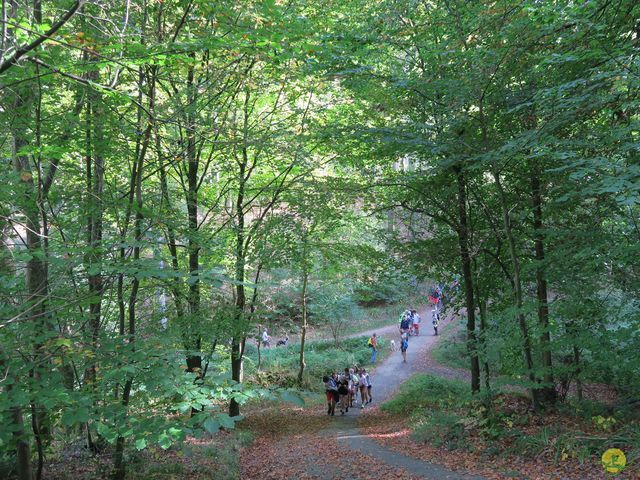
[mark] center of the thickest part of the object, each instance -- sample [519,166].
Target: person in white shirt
[415,318]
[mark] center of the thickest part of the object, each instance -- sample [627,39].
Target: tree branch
[20,52]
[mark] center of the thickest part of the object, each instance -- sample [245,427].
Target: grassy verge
[451,350]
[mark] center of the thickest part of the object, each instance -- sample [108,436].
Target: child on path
[404,345]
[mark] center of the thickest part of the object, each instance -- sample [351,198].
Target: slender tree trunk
[578,371]
[35,303]
[23,451]
[305,279]
[119,462]
[463,241]
[94,186]
[172,245]
[194,359]
[236,353]
[548,391]
[517,286]
[482,304]
[240,266]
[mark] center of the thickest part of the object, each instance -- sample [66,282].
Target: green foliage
[385,285]
[280,365]
[441,429]
[171,174]
[424,392]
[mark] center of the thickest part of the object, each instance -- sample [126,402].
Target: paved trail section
[341,450]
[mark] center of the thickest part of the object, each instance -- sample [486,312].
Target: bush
[427,391]
[280,365]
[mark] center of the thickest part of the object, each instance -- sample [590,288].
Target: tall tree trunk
[194,359]
[548,391]
[35,273]
[236,353]
[305,279]
[94,162]
[141,150]
[517,289]
[463,242]
[240,267]
[172,244]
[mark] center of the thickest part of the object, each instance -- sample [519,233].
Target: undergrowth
[280,365]
[443,413]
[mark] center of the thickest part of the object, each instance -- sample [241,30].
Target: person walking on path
[331,391]
[363,388]
[373,343]
[368,386]
[435,320]
[405,322]
[415,322]
[404,345]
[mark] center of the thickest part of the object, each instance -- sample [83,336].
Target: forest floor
[279,441]
[306,443]
[316,446]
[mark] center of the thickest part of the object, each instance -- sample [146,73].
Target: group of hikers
[342,389]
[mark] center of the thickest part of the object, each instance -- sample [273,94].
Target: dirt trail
[341,450]
[386,378]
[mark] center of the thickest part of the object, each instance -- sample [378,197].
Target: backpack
[370,343]
[405,323]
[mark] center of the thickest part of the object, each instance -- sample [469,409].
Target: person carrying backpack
[405,322]
[404,345]
[331,391]
[373,344]
[343,392]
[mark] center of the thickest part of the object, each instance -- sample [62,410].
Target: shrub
[280,365]
[427,391]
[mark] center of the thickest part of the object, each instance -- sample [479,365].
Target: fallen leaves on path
[293,444]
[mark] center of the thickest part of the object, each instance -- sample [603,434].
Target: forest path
[340,449]
[386,378]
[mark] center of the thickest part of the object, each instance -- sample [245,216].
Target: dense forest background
[177,173]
